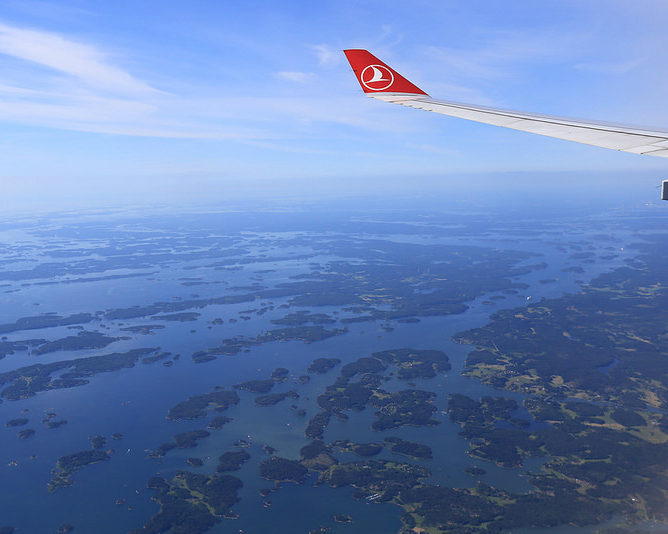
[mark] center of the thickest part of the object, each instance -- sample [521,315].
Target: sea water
[135,401]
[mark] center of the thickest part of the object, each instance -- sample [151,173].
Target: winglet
[376,78]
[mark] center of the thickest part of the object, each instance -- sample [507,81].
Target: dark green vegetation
[275,398]
[256,386]
[378,476]
[183,440]
[360,449]
[26,433]
[28,381]
[156,357]
[10,347]
[196,406]
[613,320]
[606,451]
[191,503]
[56,424]
[83,340]
[98,442]
[230,347]
[393,409]
[505,446]
[218,422]
[414,364]
[181,317]
[69,464]
[143,329]
[21,421]
[280,374]
[408,448]
[232,461]
[456,275]
[301,318]
[322,365]
[45,321]
[283,470]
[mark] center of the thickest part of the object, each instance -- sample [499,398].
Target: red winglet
[376,77]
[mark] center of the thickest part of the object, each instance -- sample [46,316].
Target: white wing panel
[627,139]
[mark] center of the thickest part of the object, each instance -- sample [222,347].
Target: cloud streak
[49,80]
[80,61]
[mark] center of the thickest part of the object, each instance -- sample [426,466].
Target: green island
[181,317]
[30,380]
[45,321]
[98,442]
[275,398]
[26,433]
[393,409]
[21,421]
[382,477]
[155,357]
[196,406]
[82,341]
[10,347]
[280,374]
[55,424]
[322,365]
[419,451]
[283,470]
[256,386]
[218,422]
[232,346]
[360,449]
[182,440]
[143,329]
[232,461]
[300,318]
[191,503]
[69,464]
[195,462]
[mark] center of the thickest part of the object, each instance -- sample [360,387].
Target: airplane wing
[380,81]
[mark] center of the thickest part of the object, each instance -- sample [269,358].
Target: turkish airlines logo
[377,77]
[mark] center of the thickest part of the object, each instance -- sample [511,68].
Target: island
[69,464]
[191,503]
[30,380]
[21,421]
[197,405]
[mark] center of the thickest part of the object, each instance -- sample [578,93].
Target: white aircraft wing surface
[383,83]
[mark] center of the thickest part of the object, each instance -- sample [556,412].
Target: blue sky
[123,102]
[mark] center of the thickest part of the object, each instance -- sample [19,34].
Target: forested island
[69,464]
[28,381]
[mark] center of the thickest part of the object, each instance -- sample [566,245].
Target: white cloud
[327,55]
[611,68]
[299,77]
[81,61]
[498,53]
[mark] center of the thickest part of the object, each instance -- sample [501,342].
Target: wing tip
[376,77]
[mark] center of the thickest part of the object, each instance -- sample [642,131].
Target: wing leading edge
[380,81]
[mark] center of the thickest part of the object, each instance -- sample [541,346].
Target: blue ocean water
[134,401]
